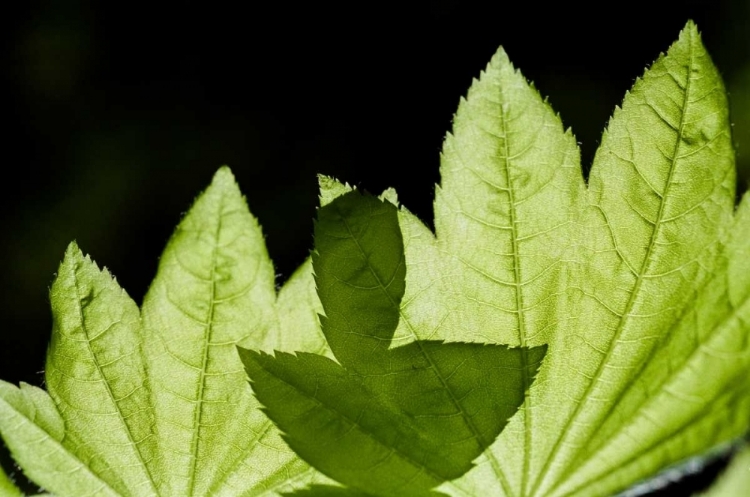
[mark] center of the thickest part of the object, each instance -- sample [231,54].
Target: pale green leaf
[96,373]
[297,309]
[330,189]
[215,290]
[735,480]
[637,281]
[692,394]
[34,432]
[512,185]
[7,488]
[653,295]
[158,403]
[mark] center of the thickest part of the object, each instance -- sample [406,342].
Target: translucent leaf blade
[96,372]
[697,374]
[505,218]
[7,488]
[735,480]
[504,211]
[34,432]
[214,290]
[662,195]
[297,308]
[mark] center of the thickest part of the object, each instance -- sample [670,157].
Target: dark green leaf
[386,421]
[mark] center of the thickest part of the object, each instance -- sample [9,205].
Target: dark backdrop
[118,114]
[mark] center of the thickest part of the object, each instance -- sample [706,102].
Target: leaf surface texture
[155,401]
[384,420]
[637,282]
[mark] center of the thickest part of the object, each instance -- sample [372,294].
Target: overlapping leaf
[638,281]
[158,404]
[384,421]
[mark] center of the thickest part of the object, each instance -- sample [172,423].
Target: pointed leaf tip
[331,188]
[390,195]
[691,27]
[688,34]
[73,251]
[75,258]
[224,180]
[500,58]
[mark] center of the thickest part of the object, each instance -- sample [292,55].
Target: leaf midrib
[425,354]
[110,394]
[371,434]
[505,159]
[521,317]
[565,431]
[208,331]
[593,449]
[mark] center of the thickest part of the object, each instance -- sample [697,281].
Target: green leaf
[102,391]
[634,281]
[326,491]
[384,420]
[662,193]
[215,290]
[637,282]
[512,186]
[35,434]
[7,488]
[157,403]
[735,480]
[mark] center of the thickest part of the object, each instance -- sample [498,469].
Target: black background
[118,114]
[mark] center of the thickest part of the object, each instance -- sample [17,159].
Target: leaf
[158,404]
[637,282]
[7,488]
[664,182]
[102,391]
[735,480]
[384,421]
[633,280]
[35,434]
[326,491]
